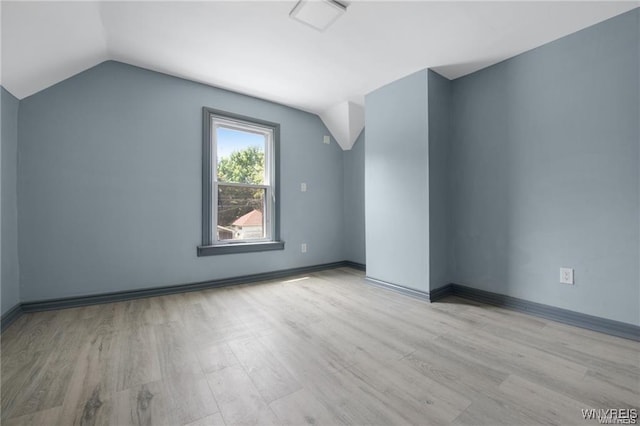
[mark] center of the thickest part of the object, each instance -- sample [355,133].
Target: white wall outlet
[326,139]
[566,275]
[303,187]
[303,247]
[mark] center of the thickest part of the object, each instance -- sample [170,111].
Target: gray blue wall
[397,183]
[544,173]
[354,224]
[10,291]
[440,126]
[110,193]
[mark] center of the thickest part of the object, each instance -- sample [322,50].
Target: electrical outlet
[303,247]
[303,187]
[326,139]
[566,275]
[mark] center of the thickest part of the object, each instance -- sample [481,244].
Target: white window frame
[242,126]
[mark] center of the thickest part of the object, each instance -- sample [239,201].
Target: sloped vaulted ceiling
[256,49]
[44,43]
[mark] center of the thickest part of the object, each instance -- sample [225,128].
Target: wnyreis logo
[619,416]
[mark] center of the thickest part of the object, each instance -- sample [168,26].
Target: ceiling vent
[318,14]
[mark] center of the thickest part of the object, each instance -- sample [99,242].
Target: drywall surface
[10,292]
[110,185]
[544,173]
[354,223]
[397,183]
[439,206]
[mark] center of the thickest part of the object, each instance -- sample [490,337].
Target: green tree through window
[245,166]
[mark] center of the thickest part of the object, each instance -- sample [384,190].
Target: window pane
[240,213]
[240,156]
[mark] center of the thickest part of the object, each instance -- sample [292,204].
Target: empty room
[320,212]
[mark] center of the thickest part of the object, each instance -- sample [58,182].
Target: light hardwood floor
[325,348]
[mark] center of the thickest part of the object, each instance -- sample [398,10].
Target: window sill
[239,248]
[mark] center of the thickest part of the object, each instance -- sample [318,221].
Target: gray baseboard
[603,325]
[355,265]
[94,299]
[10,316]
[615,328]
[440,293]
[418,294]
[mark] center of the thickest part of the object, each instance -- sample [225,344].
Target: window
[240,184]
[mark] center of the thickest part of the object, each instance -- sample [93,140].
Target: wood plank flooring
[323,348]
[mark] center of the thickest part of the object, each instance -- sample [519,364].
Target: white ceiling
[255,48]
